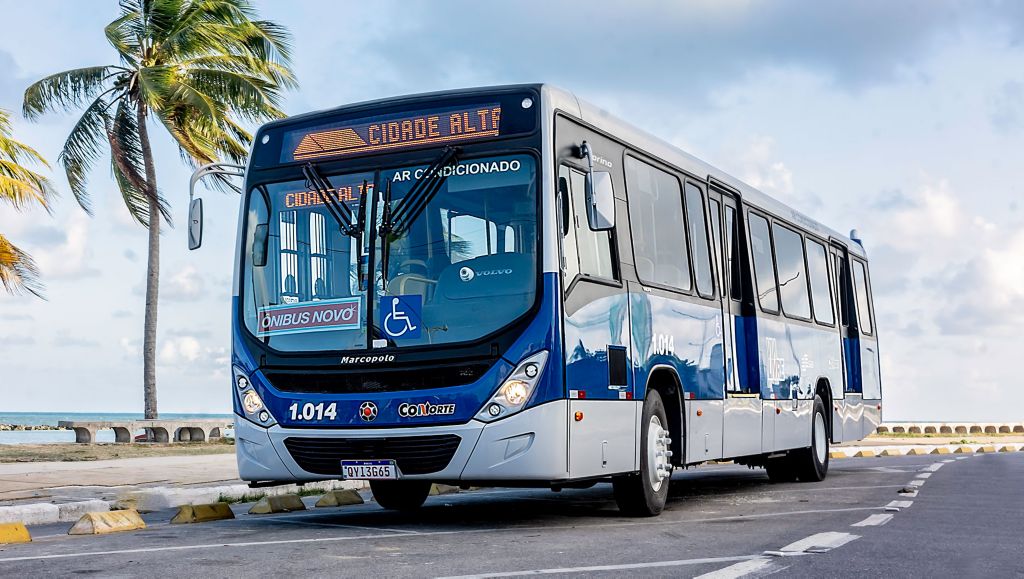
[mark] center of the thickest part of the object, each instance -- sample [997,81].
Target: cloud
[65,341]
[178,285]
[180,350]
[121,314]
[16,317]
[1006,110]
[15,340]
[70,258]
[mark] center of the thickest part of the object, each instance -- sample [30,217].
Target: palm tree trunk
[152,274]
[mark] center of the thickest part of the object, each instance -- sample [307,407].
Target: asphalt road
[966,520]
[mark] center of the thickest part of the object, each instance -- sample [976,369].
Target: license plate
[369,470]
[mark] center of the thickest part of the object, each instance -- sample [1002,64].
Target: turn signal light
[700,413]
[578,416]
[778,411]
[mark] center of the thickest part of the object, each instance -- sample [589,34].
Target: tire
[812,462]
[400,495]
[781,469]
[645,493]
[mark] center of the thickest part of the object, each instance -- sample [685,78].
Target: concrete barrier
[14,533]
[866,453]
[278,504]
[837,454]
[202,513]
[109,522]
[340,499]
[952,427]
[892,452]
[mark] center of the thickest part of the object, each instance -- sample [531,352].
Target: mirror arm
[226,169]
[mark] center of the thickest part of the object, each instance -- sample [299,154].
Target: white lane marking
[430,534]
[917,483]
[737,570]
[962,457]
[887,469]
[876,520]
[933,467]
[948,460]
[910,494]
[923,475]
[899,505]
[819,543]
[648,565]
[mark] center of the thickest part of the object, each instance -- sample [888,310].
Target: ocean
[51,418]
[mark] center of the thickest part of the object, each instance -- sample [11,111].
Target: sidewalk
[105,479]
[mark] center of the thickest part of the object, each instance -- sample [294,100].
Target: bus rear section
[509,287]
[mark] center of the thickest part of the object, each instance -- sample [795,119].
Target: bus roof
[559,99]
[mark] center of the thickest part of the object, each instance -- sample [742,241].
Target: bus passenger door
[742,416]
[850,408]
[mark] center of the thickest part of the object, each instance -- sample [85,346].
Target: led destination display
[393,132]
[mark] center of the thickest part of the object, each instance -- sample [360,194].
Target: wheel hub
[659,464]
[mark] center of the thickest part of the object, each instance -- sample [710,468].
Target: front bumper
[529,446]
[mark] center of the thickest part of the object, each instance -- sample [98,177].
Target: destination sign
[342,194]
[393,132]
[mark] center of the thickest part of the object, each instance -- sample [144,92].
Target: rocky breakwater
[21,427]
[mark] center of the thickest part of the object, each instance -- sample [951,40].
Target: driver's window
[586,252]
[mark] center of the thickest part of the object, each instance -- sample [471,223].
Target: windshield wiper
[339,211]
[392,225]
[422,192]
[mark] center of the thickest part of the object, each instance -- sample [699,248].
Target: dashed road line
[933,467]
[916,483]
[897,505]
[621,567]
[740,569]
[923,475]
[819,543]
[876,520]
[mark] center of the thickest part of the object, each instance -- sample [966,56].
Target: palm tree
[200,68]
[22,188]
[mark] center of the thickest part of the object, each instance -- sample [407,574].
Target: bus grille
[414,454]
[370,381]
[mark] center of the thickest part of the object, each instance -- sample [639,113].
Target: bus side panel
[597,322]
[794,358]
[686,338]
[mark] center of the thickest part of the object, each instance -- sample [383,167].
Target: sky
[903,119]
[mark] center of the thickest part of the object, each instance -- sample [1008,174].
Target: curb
[161,498]
[42,513]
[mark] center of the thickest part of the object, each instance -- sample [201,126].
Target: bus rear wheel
[400,495]
[812,463]
[644,494]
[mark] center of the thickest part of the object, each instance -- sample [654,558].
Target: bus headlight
[517,389]
[252,405]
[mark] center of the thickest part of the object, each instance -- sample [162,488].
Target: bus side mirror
[259,245]
[195,224]
[600,201]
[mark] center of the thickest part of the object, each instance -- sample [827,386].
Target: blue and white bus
[508,286]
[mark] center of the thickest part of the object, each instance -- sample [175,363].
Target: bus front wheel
[644,494]
[400,495]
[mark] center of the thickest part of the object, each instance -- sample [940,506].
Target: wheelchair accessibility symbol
[400,316]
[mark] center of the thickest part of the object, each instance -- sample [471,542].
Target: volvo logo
[467,274]
[368,411]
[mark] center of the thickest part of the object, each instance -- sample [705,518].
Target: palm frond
[19,185]
[82,148]
[18,272]
[67,90]
[128,166]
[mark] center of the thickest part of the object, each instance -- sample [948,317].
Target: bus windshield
[462,266]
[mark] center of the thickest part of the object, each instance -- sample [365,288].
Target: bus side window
[764,263]
[732,253]
[789,258]
[716,241]
[570,253]
[821,290]
[698,232]
[860,280]
[844,291]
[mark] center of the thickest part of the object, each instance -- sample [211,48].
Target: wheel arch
[665,380]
